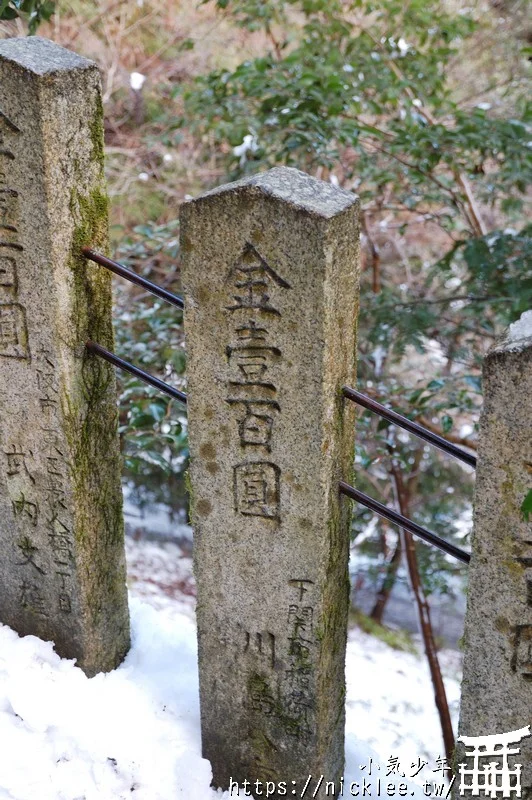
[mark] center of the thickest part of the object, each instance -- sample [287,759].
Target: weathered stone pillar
[62,566]
[270,271]
[497,682]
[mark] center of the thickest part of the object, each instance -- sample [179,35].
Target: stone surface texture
[497,682]
[270,272]
[62,564]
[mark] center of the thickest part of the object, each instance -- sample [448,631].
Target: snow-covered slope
[135,732]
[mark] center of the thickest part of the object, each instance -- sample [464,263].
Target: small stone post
[270,271]
[497,682]
[62,565]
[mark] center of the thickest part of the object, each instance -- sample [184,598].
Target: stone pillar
[497,682]
[62,565]
[270,271]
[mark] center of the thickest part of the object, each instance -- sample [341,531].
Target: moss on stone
[257,686]
[508,491]
[90,421]
[97,132]
[515,569]
[190,493]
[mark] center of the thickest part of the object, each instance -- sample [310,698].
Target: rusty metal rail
[131,276]
[116,361]
[404,522]
[352,394]
[410,426]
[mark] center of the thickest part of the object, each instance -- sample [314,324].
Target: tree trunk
[388,582]
[375,256]
[424,618]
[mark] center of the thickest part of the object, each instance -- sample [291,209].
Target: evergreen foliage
[32,11]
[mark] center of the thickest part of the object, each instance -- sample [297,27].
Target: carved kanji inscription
[256,489]
[13,331]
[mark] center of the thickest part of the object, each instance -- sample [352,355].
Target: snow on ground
[161,575]
[135,732]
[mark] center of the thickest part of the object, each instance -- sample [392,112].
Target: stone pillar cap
[42,57]
[295,187]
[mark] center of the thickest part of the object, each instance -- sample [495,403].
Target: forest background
[420,108]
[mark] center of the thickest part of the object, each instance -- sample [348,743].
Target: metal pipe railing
[410,426]
[131,276]
[116,361]
[404,522]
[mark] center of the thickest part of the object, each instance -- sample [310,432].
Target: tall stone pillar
[497,683]
[270,272]
[62,564]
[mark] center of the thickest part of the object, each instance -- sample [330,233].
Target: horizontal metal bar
[131,276]
[404,522]
[98,350]
[410,426]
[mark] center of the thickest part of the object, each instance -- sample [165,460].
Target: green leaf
[158,410]
[187,44]
[526,507]
[436,384]
[383,425]
[474,381]
[34,11]
[446,423]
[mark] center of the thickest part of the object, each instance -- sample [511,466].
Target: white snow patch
[135,732]
[136,81]
[249,144]
[403,46]
[156,518]
[378,355]
[522,328]
[453,282]
[63,736]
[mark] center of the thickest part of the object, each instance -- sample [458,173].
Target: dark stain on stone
[208,451]
[203,508]
[203,295]
[502,625]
